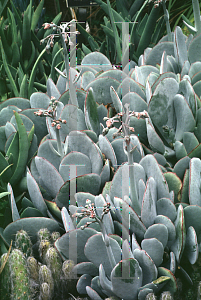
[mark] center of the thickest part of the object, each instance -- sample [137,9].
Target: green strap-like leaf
[23,150]
[36,15]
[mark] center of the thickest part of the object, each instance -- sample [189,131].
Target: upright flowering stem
[89,211]
[124,130]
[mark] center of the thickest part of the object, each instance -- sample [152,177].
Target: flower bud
[58,126]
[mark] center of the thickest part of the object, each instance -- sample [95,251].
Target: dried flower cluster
[63,29]
[89,211]
[51,112]
[110,122]
[157,2]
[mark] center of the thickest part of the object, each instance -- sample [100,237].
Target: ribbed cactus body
[43,247]
[33,268]
[19,276]
[45,276]
[54,263]
[44,234]
[45,292]
[67,268]
[166,296]
[150,296]
[23,242]
[5,286]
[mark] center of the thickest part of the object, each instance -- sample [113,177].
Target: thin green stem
[196,12]
[166,17]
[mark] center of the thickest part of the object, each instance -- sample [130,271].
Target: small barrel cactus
[43,234]
[45,276]
[23,242]
[54,263]
[166,296]
[43,247]
[45,292]
[5,286]
[67,268]
[33,268]
[54,236]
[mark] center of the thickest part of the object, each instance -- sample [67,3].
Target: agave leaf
[13,206]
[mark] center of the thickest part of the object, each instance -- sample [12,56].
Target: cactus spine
[23,242]
[19,276]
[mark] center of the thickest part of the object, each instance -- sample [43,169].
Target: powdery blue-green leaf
[7,113]
[126,250]
[194,182]
[186,89]
[77,240]
[82,162]
[180,150]
[92,294]
[194,49]
[86,183]
[180,48]
[185,120]
[156,53]
[148,210]
[179,243]
[154,248]
[101,89]
[152,169]
[39,100]
[191,247]
[192,218]
[80,142]
[35,194]
[95,251]
[155,141]
[86,268]
[166,208]
[135,101]
[108,150]
[141,73]
[149,269]
[97,61]
[160,219]
[86,78]
[52,90]
[158,231]
[83,282]
[129,85]
[49,175]
[47,149]
[130,281]
[67,221]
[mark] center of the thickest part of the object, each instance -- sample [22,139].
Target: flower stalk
[89,211]
[124,131]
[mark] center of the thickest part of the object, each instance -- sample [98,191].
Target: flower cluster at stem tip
[89,211]
[51,112]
